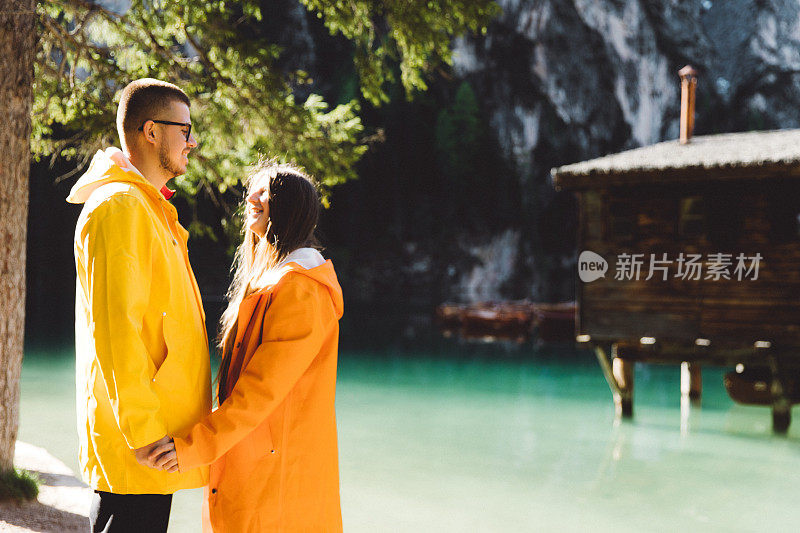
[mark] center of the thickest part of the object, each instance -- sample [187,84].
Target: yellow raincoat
[142,365]
[272,442]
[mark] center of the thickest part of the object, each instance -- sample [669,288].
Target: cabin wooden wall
[743,217]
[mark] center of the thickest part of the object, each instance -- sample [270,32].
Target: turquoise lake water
[464,437]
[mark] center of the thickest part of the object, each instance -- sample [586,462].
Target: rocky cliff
[566,80]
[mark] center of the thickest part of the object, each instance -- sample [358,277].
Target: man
[142,366]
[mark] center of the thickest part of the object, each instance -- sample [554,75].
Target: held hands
[160,455]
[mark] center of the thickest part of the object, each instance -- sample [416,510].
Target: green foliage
[412,33]
[244,101]
[458,134]
[18,485]
[481,187]
[241,105]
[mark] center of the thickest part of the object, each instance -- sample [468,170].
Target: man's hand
[159,455]
[164,457]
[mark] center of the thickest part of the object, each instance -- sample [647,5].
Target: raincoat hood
[309,262]
[111,165]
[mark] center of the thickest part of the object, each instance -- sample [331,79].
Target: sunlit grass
[18,485]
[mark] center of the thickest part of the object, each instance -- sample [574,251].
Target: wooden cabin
[717,199]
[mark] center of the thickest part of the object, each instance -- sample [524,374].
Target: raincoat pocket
[177,344]
[171,375]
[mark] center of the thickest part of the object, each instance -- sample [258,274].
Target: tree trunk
[17,49]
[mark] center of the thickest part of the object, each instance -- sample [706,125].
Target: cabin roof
[754,154]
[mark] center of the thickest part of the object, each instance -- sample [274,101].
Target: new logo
[591,266]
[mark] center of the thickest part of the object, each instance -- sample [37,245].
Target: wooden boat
[498,317]
[510,320]
[449,315]
[753,386]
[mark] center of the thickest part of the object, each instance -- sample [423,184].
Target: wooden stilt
[623,399]
[623,375]
[691,381]
[781,418]
[781,406]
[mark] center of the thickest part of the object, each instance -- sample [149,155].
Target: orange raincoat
[272,442]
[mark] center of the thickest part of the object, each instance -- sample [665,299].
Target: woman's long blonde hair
[294,208]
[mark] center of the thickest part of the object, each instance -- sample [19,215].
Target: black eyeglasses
[169,123]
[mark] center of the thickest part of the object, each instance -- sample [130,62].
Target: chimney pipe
[688,83]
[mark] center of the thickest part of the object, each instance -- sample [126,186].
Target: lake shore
[63,501]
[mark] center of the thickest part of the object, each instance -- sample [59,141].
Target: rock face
[567,80]
[493,269]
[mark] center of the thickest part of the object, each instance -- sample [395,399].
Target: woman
[271,444]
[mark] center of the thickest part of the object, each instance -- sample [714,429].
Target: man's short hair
[143,100]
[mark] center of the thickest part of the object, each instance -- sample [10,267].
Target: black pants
[134,513]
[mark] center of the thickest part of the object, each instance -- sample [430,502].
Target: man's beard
[166,164]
